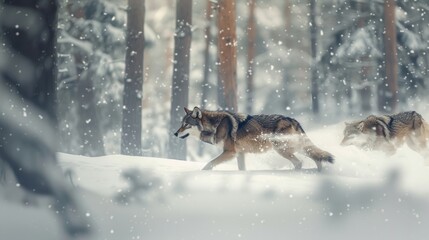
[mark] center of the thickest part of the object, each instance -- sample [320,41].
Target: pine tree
[251,38]
[91,53]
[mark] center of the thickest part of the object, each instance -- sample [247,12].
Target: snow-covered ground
[364,195]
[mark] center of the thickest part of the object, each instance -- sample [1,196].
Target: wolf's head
[191,124]
[363,133]
[353,134]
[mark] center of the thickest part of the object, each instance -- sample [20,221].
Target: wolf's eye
[187,125]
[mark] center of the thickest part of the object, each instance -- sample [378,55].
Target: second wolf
[388,132]
[250,134]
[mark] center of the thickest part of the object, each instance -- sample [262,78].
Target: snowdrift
[363,195]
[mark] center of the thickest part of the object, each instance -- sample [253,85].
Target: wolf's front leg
[225,156]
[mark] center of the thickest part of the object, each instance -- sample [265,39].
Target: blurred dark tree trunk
[27,94]
[227,55]
[35,95]
[251,38]
[388,89]
[180,86]
[131,140]
[314,72]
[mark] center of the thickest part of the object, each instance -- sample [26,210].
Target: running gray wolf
[240,133]
[388,132]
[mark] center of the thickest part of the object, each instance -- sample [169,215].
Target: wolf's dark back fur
[268,121]
[399,121]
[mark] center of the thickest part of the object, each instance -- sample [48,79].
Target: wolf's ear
[196,113]
[187,111]
[360,126]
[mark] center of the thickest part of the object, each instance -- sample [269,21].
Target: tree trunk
[27,94]
[180,86]
[251,38]
[388,101]
[314,74]
[227,53]
[133,85]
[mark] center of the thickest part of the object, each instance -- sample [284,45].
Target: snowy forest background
[106,79]
[346,61]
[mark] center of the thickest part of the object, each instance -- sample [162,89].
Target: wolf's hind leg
[288,153]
